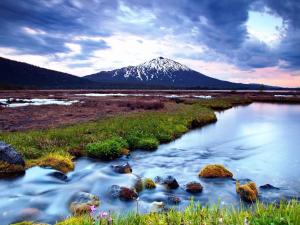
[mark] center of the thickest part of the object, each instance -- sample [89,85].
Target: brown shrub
[142,104]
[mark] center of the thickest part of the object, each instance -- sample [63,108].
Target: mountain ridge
[158,73]
[165,72]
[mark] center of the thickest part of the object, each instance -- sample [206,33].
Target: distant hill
[159,73]
[168,73]
[18,74]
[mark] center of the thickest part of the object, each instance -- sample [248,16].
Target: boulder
[215,171]
[123,193]
[82,202]
[268,187]
[29,213]
[11,162]
[148,183]
[59,175]
[170,182]
[127,194]
[172,199]
[248,192]
[194,187]
[125,168]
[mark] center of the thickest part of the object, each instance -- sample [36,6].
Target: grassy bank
[109,138]
[259,214]
[106,139]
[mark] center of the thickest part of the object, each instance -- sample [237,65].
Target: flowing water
[259,142]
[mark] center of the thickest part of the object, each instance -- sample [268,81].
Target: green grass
[286,213]
[107,149]
[106,138]
[143,130]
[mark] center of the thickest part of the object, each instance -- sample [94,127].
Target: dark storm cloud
[289,48]
[218,25]
[59,20]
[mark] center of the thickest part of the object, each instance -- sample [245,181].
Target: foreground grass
[285,213]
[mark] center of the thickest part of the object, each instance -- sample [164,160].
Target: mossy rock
[125,151]
[82,203]
[148,183]
[8,170]
[59,162]
[215,171]
[248,192]
[138,185]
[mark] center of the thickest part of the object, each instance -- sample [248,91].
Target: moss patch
[7,168]
[108,149]
[149,183]
[248,192]
[215,171]
[56,161]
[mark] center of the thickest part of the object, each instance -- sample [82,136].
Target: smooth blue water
[260,142]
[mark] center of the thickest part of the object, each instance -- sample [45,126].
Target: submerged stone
[29,213]
[157,207]
[268,187]
[215,171]
[59,175]
[248,192]
[173,199]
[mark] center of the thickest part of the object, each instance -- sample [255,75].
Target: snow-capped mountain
[162,72]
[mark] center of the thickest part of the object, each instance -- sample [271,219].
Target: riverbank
[109,138]
[285,213]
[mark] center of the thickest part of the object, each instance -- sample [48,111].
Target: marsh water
[260,142]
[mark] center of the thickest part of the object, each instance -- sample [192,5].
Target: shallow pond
[258,142]
[143,95]
[11,102]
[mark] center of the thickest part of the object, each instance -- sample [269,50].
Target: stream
[260,142]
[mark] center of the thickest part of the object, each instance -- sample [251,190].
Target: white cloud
[32,31]
[126,49]
[128,15]
[74,49]
[265,27]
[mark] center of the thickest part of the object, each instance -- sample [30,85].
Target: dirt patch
[87,109]
[93,108]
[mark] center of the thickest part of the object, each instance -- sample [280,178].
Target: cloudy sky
[250,41]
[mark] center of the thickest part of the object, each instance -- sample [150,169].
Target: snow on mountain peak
[162,64]
[158,68]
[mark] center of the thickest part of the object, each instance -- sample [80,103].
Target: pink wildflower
[93,208]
